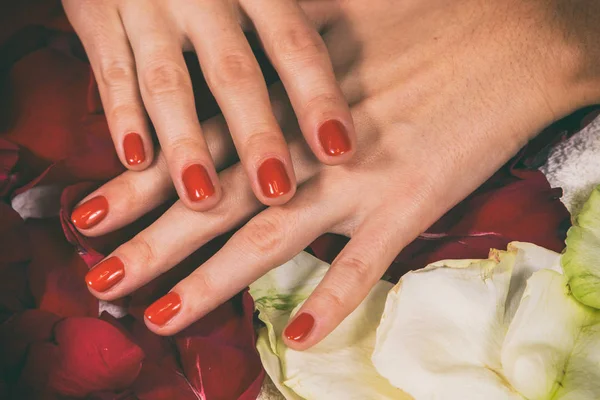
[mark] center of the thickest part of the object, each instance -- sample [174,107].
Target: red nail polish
[163,309]
[300,327]
[334,138]
[197,183]
[273,178]
[90,213]
[106,274]
[133,146]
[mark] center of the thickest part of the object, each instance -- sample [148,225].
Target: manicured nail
[90,213]
[163,309]
[334,138]
[273,179]
[300,327]
[133,146]
[106,274]
[197,183]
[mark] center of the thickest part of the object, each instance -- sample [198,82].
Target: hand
[440,101]
[135,49]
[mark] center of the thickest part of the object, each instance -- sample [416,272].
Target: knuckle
[142,251]
[183,145]
[264,234]
[234,69]
[116,74]
[332,298]
[162,77]
[261,140]
[299,42]
[202,282]
[323,102]
[357,267]
[121,112]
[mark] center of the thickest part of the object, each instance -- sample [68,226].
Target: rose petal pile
[54,342]
[506,327]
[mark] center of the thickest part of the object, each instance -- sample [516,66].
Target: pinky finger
[351,277]
[114,67]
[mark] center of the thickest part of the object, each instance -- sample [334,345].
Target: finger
[175,235]
[167,93]
[268,240]
[133,194]
[300,57]
[352,275]
[235,79]
[99,26]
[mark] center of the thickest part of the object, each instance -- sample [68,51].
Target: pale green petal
[272,365]
[340,366]
[552,348]
[581,261]
[529,259]
[442,330]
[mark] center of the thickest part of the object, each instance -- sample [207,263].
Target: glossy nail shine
[106,274]
[334,138]
[300,327]
[90,213]
[197,182]
[164,309]
[133,147]
[273,178]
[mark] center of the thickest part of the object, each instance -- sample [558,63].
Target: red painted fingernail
[163,309]
[106,274]
[300,327]
[197,183]
[334,138]
[273,179]
[133,146]
[90,213]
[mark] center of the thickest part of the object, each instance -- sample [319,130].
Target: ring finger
[168,96]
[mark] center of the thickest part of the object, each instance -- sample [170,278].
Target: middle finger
[234,77]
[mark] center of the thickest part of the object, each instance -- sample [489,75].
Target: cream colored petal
[552,348]
[442,330]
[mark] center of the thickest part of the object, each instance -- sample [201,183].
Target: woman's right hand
[135,49]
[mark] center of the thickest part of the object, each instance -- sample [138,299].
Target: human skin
[442,93]
[135,50]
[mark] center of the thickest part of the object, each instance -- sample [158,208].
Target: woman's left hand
[442,94]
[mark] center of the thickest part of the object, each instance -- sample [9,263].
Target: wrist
[575,33]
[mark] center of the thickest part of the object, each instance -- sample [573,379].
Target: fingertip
[90,213]
[299,334]
[276,182]
[335,142]
[201,187]
[137,153]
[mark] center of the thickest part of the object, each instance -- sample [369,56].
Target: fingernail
[273,178]
[133,146]
[197,183]
[90,213]
[163,309]
[106,274]
[300,327]
[334,138]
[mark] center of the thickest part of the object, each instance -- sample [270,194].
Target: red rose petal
[9,154]
[57,272]
[18,333]
[224,334]
[94,356]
